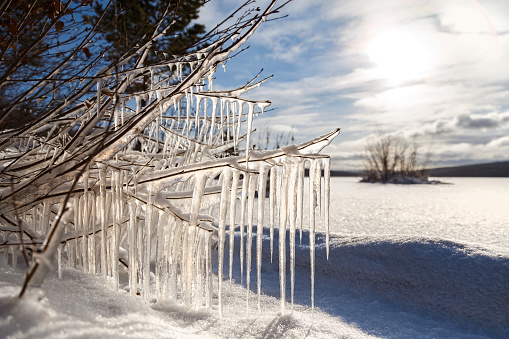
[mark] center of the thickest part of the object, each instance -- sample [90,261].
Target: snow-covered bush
[120,178]
[393,159]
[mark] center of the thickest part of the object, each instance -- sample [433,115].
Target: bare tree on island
[108,173]
[394,159]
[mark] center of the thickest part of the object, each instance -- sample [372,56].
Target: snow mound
[461,282]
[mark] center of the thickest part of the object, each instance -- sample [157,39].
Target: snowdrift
[391,287]
[463,285]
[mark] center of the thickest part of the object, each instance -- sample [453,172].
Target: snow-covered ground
[373,285]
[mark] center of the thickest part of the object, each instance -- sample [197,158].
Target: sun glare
[399,57]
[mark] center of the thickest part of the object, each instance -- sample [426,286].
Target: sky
[434,71]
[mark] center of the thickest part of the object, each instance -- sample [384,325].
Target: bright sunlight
[399,57]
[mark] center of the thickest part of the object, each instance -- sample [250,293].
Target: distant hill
[334,173]
[344,174]
[494,169]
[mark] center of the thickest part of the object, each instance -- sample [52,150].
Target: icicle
[283,210]
[292,205]
[245,185]
[93,218]
[122,112]
[239,121]
[199,270]
[300,198]
[160,264]
[228,121]
[99,90]
[314,181]
[326,181]
[221,121]
[133,267]
[214,109]
[102,179]
[184,261]
[208,282]
[199,187]
[249,240]
[116,231]
[262,188]
[46,213]
[59,261]
[233,205]
[199,98]
[149,218]
[225,191]
[272,204]
[176,248]
[251,106]
[14,255]
[263,105]
[85,213]
[84,230]
[115,116]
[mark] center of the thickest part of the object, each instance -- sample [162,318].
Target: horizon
[359,66]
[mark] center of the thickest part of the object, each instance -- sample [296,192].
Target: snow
[371,286]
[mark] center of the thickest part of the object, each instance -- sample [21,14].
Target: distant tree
[391,158]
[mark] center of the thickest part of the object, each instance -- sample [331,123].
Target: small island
[392,159]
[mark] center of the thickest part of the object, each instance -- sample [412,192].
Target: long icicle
[314,180]
[292,206]
[262,188]
[245,185]
[282,238]
[326,182]
[249,240]
[199,188]
[147,246]
[102,179]
[225,191]
[272,205]
[300,198]
[233,206]
[133,230]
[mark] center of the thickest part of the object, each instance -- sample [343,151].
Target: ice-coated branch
[152,179]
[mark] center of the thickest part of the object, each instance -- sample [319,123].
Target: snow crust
[371,286]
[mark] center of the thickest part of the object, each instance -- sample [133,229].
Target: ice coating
[141,203]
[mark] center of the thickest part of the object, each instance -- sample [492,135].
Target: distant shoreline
[488,170]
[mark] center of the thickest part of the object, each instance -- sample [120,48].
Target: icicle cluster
[138,173]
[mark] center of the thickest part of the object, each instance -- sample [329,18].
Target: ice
[283,209]
[314,181]
[233,206]
[274,187]
[227,178]
[137,171]
[292,204]
[243,201]
[249,241]
[262,187]
[326,182]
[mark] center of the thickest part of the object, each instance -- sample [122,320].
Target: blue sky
[434,69]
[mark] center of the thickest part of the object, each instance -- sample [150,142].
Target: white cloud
[324,77]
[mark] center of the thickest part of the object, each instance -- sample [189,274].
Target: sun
[399,57]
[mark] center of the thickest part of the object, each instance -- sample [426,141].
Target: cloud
[325,78]
[492,120]
[500,142]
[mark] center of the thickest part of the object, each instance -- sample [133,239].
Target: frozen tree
[106,176]
[392,158]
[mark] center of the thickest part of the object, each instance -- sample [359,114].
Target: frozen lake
[470,210]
